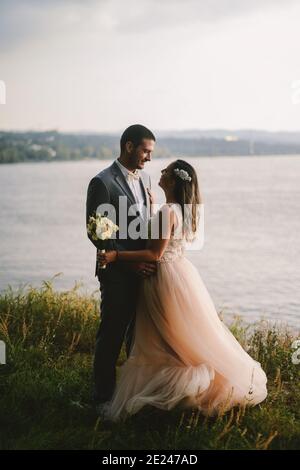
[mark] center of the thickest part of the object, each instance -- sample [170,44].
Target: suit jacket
[106,188]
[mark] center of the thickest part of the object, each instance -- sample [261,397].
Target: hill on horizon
[52,145]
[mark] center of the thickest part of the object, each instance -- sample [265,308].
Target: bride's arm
[157,246]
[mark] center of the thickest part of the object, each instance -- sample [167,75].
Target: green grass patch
[46,385]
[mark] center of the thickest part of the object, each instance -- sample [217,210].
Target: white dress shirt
[135,187]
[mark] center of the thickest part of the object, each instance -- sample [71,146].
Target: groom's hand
[143,269]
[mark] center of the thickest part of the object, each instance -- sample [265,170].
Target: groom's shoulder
[105,174]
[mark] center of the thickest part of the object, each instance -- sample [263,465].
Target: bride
[182,353]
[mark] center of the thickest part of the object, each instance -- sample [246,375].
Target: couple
[178,350]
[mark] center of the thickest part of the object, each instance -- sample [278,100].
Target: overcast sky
[169,64]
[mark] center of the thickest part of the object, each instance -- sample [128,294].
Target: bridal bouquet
[101,228]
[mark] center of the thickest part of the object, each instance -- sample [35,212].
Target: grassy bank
[45,387]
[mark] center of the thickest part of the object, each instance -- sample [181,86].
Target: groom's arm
[97,194]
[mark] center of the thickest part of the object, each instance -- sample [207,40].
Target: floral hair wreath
[182,174]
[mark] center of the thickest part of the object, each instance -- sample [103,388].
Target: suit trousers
[117,323]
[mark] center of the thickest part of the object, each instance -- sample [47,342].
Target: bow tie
[133,175]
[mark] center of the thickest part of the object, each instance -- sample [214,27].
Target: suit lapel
[146,196]
[121,180]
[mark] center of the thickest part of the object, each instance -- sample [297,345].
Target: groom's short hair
[135,134]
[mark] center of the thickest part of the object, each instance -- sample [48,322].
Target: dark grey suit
[118,284]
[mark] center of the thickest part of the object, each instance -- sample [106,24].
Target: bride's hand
[107,257]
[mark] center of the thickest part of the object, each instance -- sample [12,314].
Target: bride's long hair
[188,196]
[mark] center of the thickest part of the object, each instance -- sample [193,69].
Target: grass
[45,387]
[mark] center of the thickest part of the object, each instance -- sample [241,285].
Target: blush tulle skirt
[182,353]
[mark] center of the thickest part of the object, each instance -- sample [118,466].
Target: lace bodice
[174,250]
[176,246]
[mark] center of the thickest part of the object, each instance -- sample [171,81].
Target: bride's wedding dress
[182,352]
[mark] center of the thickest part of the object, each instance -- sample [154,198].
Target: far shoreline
[94,160]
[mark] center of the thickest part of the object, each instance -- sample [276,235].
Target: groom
[119,282]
